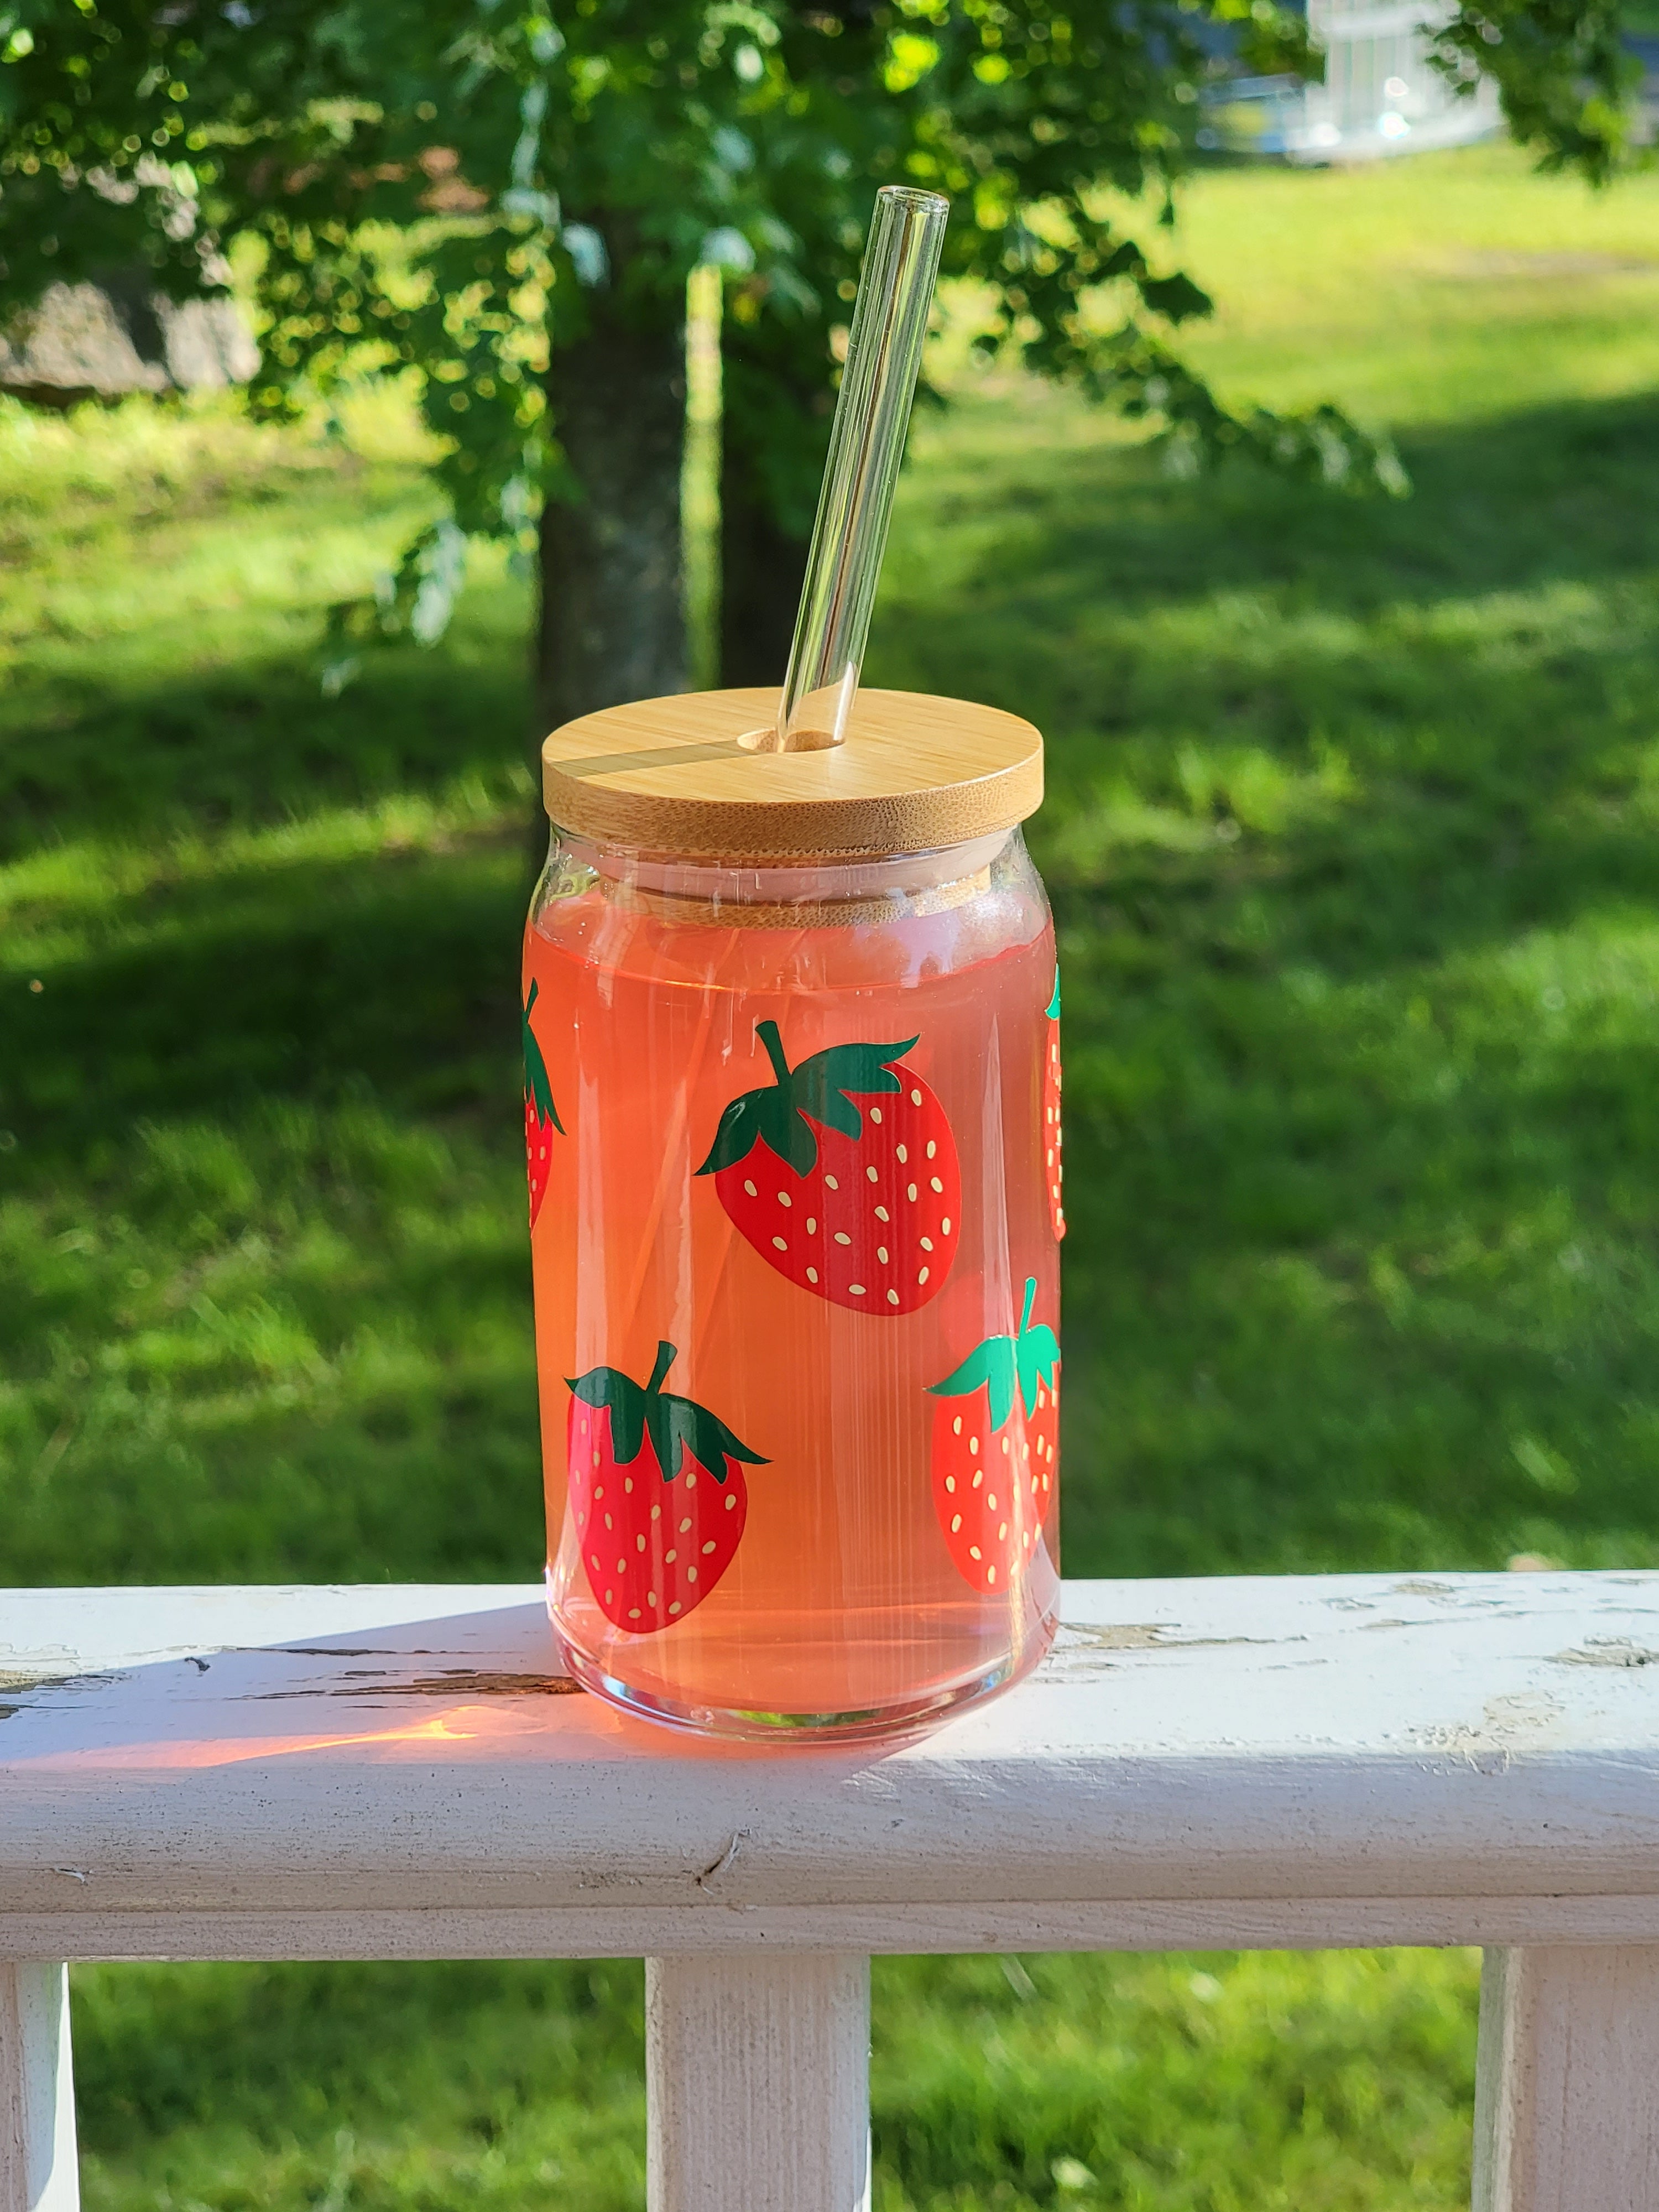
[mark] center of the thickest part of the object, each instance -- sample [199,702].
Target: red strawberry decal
[842,1174]
[996,1429]
[539,1114]
[659,1498]
[1053,1172]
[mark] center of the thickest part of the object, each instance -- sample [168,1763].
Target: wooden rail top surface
[385,1771]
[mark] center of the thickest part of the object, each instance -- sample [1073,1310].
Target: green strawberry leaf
[679,1426]
[821,1088]
[675,1426]
[610,1387]
[1003,1363]
[990,1364]
[1036,1352]
[763,1117]
[537,1088]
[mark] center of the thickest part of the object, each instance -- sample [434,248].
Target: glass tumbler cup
[792,1119]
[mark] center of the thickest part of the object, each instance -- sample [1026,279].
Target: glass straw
[866,445]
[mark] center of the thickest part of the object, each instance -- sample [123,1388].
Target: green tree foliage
[508,200]
[1563,72]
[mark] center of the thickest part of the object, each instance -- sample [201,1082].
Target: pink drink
[823,1555]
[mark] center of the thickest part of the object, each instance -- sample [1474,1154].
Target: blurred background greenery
[1351,845]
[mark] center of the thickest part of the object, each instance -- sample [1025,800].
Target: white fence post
[757,2067]
[37,2090]
[1567,2115]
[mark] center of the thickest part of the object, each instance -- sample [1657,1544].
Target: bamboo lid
[674,776]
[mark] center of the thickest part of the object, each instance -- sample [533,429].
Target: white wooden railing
[398,1773]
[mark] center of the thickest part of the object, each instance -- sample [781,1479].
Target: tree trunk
[611,626]
[762,567]
[778,401]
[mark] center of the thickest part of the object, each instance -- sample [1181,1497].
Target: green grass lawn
[1351,844]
